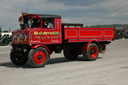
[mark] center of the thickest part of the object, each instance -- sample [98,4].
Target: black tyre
[18,58]
[91,53]
[38,57]
[70,54]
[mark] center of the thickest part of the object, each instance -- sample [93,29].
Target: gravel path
[110,69]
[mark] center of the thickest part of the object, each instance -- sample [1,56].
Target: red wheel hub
[93,52]
[39,57]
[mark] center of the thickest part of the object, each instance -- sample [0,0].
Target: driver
[23,20]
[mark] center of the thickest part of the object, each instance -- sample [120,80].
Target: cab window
[48,23]
[34,23]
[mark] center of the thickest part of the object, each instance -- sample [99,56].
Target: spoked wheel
[18,58]
[91,53]
[38,57]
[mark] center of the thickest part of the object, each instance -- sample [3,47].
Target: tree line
[110,26]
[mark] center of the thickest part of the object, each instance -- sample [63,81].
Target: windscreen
[26,22]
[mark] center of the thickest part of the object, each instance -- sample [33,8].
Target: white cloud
[100,12]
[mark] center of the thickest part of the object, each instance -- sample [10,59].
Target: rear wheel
[92,52]
[38,57]
[70,54]
[18,58]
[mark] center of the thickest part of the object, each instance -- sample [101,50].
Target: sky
[88,12]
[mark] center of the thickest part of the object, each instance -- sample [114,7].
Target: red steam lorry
[41,35]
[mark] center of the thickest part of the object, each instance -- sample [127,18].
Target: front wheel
[38,57]
[92,52]
[18,58]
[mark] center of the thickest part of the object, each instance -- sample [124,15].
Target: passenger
[48,24]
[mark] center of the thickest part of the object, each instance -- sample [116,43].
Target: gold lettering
[44,33]
[54,33]
[36,33]
[47,33]
[57,33]
[40,33]
[51,33]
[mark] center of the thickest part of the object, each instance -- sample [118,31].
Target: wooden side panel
[90,34]
[86,34]
[71,34]
[108,34]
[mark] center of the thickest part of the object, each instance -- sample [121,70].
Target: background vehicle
[5,38]
[36,41]
[126,35]
[119,32]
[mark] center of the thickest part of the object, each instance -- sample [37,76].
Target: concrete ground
[111,68]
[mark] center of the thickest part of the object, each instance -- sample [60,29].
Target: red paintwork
[48,36]
[51,35]
[18,38]
[87,34]
[93,55]
[36,46]
[43,35]
[85,47]
[37,54]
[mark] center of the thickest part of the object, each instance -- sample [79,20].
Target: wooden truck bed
[87,34]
